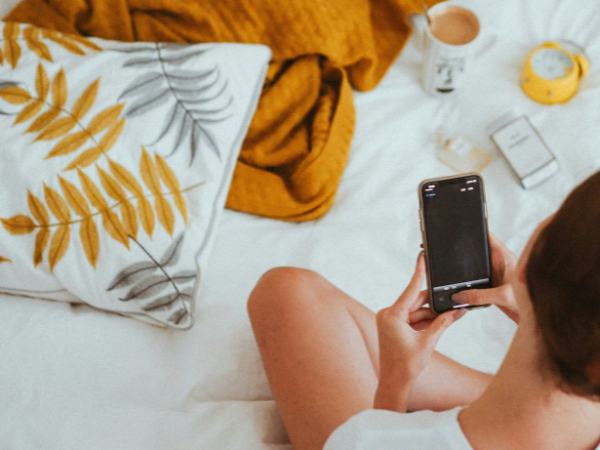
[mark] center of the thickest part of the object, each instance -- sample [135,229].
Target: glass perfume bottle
[460,152]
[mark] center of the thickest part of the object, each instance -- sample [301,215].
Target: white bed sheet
[72,377]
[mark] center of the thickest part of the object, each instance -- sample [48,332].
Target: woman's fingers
[421,314]
[441,324]
[422,300]
[496,296]
[475,296]
[410,298]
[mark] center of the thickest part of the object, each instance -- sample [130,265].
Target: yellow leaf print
[115,191]
[129,218]
[151,179]
[40,214]
[86,101]
[111,136]
[32,37]
[105,118]
[57,205]
[59,245]
[146,214]
[29,111]
[88,232]
[43,120]
[12,49]
[3,259]
[86,42]
[144,207]
[59,89]
[170,180]
[75,199]
[62,41]
[41,241]
[149,174]
[42,83]
[114,227]
[56,129]
[165,215]
[1,56]
[69,144]
[15,95]
[19,224]
[86,158]
[37,208]
[42,86]
[110,220]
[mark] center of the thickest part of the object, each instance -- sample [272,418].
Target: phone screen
[456,238]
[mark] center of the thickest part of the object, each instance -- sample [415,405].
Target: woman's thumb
[475,296]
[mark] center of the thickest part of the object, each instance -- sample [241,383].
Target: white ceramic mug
[452,39]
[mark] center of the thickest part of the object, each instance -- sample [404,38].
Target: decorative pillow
[115,161]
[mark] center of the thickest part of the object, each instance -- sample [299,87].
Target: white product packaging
[523,148]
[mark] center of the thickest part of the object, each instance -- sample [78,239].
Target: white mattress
[72,377]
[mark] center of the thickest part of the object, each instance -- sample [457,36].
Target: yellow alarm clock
[552,73]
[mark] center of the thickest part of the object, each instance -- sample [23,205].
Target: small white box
[524,149]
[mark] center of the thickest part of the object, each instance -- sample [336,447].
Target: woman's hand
[503,267]
[403,351]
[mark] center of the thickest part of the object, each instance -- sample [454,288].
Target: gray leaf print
[160,303]
[199,99]
[7,83]
[171,255]
[178,316]
[177,60]
[185,276]
[166,301]
[143,84]
[163,291]
[147,287]
[132,274]
[146,103]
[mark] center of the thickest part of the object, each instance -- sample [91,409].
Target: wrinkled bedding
[73,377]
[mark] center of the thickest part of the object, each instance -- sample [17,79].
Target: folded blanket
[298,144]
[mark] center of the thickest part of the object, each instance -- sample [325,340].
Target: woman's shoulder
[387,430]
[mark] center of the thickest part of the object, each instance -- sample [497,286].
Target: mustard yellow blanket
[297,147]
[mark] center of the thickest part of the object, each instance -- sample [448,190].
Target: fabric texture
[116,160]
[388,430]
[75,378]
[298,143]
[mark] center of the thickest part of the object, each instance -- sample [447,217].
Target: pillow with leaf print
[115,162]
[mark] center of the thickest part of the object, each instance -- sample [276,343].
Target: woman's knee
[283,288]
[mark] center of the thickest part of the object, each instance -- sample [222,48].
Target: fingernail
[460,297]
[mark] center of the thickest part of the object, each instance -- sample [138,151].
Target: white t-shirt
[376,429]
[387,430]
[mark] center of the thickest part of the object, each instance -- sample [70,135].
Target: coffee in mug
[454,26]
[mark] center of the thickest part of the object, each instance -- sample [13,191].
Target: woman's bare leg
[320,352]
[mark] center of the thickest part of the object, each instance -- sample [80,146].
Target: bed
[72,376]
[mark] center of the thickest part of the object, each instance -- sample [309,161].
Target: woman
[341,374]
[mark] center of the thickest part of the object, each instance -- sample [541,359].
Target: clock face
[551,64]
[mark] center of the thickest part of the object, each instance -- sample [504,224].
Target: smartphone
[454,226]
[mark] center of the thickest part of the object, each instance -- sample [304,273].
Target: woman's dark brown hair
[563,278]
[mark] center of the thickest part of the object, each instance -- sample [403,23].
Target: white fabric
[71,374]
[387,430]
